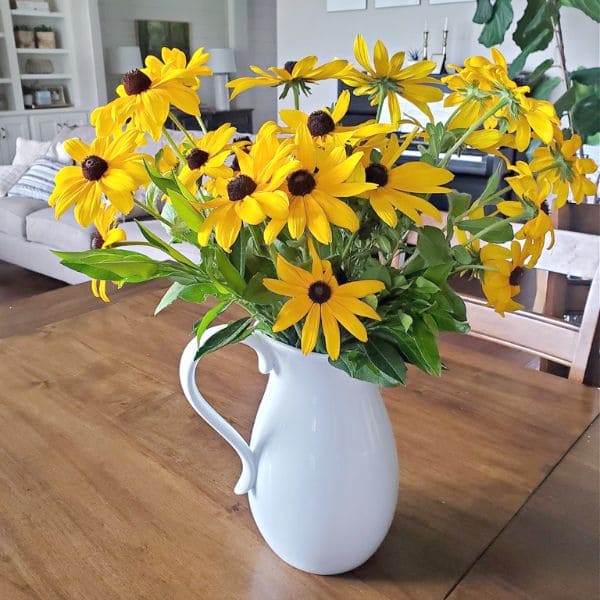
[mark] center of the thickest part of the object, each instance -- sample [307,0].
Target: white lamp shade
[222,60]
[123,59]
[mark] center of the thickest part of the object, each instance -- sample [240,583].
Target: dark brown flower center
[289,66]
[301,183]
[516,276]
[93,167]
[319,292]
[136,82]
[240,187]
[97,241]
[196,158]
[377,173]
[320,123]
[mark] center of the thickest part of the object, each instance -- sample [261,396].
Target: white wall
[305,27]
[252,34]
[207,18]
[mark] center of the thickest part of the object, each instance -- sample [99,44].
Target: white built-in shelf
[42,51]
[5,81]
[35,76]
[1,35]
[36,13]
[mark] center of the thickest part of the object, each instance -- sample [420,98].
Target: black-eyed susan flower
[206,157]
[107,167]
[560,165]
[325,125]
[294,74]
[504,268]
[317,296]
[397,186]
[315,187]
[107,233]
[535,231]
[145,96]
[385,78]
[253,194]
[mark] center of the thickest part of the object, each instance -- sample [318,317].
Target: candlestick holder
[443,70]
[425,45]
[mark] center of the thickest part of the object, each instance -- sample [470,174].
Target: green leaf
[458,204]
[495,28]
[169,297]
[544,90]
[230,273]
[231,334]
[501,232]
[538,73]
[358,366]
[427,344]
[586,113]
[461,256]
[386,358]
[209,316]
[374,270]
[257,293]
[162,245]
[115,264]
[184,209]
[432,246]
[586,76]
[197,292]
[459,310]
[566,102]
[590,7]
[535,44]
[484,12]
[536,20]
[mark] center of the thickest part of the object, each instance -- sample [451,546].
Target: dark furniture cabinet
[240,118]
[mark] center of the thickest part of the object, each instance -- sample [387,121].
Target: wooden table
[112,487]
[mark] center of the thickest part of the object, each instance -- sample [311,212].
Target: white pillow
[57,152]
[9,175]
[29,150]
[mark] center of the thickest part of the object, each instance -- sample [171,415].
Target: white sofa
[29,231]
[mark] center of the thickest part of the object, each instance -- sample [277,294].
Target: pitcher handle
[187,372]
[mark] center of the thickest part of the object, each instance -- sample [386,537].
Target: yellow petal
[360,288]
[331,331]
[310,330]
[291,312]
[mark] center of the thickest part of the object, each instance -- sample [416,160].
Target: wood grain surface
[111,487]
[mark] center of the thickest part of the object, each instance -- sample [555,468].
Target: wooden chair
[574,254]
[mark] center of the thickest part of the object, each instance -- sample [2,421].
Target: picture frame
[152,36]
[438,59]
[50,96]
[393,3]
[450,1]
[344,5]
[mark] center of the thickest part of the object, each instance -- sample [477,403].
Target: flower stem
[173,144]
[152,212]
[296,93]
[202,125]
[380,103]
[181,128]
[490,113]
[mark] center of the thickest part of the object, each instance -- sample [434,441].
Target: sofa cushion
[9,175]
[28,150]
[64,234]
[13,213]
[38,180]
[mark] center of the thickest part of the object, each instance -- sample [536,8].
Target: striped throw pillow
[38,180]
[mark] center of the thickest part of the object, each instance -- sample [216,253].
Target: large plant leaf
[230,273]
[544,90]
[536,20]
[517,65]
[501,232]
[432,246]
[586,113]
[538,73]
[157,242]
[566,101]
[496,27]
[587,76]
[484,12]
[386,358]
[590,7]
[357,364]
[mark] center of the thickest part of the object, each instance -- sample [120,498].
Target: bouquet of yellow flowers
[307,226]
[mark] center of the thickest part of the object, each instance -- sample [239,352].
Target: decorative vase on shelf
[321,469]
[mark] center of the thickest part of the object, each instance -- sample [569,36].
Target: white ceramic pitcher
[321,470]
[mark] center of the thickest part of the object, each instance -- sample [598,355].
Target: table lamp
[222,62]
[123,59]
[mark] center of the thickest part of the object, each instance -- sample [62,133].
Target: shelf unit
[77,64]
[76,67]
